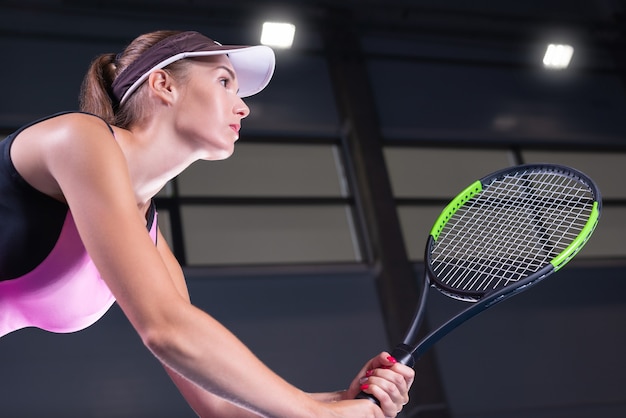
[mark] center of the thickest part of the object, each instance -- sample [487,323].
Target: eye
[225,81]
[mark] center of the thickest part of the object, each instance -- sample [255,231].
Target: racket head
[510,228]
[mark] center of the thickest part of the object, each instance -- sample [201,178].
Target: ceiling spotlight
[558,56]
[279,35]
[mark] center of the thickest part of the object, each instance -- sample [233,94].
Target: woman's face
[209,109]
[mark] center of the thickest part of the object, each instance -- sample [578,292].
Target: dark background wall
[442,74]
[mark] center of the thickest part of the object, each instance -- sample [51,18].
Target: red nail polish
[363,387]
[392,359]
[369,373]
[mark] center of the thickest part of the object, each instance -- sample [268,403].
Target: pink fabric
[65,293]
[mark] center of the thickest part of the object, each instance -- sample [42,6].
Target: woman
[170,99]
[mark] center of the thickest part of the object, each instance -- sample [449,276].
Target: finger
[385,395]
[392,382]
[383,359]
[391,375]
[406,372]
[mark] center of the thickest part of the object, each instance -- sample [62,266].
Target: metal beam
[384,243]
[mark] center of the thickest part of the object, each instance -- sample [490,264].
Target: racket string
[513,228]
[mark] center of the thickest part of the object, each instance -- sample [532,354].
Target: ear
[162,85]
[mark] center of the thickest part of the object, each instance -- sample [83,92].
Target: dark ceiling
[487,33]
[598,21]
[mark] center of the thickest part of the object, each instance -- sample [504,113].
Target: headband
[254,65]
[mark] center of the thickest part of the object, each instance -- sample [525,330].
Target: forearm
[204,403]
[329,396]
[203,351]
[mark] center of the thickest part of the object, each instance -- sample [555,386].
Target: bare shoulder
[69,129]
[78,142]
[63,131]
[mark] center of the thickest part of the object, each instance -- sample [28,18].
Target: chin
[217,155]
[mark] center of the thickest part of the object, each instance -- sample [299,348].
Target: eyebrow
[231,72]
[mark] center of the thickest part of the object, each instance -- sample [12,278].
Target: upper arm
[173,266]
[93,177]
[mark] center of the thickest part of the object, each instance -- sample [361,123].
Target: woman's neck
[154,156]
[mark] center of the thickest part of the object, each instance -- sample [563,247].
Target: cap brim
[254,65]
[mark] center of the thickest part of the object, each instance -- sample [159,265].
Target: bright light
[279,35]
[558,56]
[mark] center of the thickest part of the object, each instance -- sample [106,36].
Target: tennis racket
[500,236]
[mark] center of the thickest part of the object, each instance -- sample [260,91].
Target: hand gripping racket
[500,236]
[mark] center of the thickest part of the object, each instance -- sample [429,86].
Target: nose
[241,108]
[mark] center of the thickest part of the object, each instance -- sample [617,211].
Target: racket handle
[402,353]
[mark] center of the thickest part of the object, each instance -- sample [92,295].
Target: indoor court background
[308,242]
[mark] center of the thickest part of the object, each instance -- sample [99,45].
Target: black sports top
[47,278]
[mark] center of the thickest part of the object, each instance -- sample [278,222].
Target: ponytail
[95,90]
[96,94]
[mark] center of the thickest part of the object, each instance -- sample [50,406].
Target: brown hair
[95,93]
